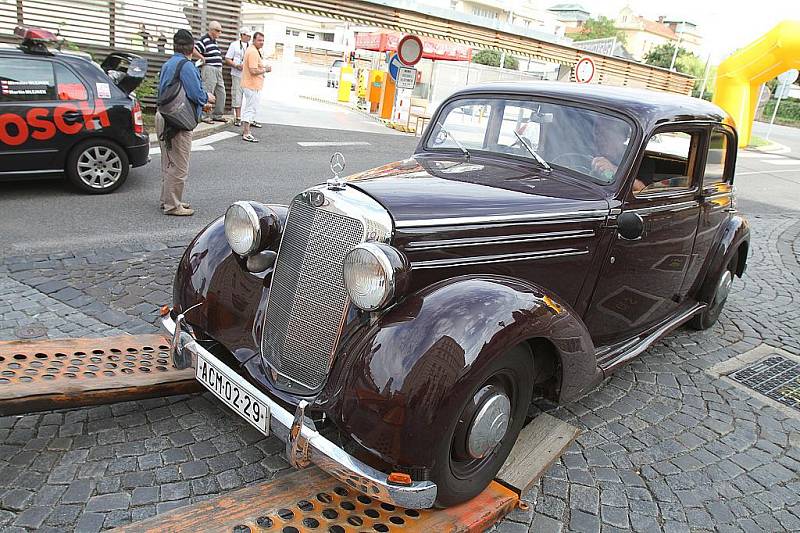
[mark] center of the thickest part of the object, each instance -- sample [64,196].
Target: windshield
[579,139]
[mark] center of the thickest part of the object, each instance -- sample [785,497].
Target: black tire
[710,315]
[459,477]
[97,166]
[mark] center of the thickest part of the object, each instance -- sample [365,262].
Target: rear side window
[68,85]
[26,80]
[718,158]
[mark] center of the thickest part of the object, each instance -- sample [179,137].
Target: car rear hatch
[126,70]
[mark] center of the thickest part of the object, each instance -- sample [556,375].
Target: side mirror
[630,226]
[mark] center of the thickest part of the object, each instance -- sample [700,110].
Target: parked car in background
[61,113]
[334,71]
[541,236]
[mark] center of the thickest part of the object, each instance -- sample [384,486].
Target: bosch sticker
[39,124]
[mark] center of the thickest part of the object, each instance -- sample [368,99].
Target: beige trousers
[214,83]
[174,166]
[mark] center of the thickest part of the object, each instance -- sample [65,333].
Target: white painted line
[220,136]
[202,145]
[201,148]
[333,143]
[782,162]
[757,155]
[766,172]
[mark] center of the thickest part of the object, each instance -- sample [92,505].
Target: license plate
[227,387]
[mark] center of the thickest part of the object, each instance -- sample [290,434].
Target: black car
[62,113]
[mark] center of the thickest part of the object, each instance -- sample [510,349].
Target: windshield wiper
[450,136]
[530,149]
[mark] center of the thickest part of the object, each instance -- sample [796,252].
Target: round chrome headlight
[242,228]
[370,274]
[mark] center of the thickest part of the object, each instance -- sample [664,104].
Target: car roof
[649,108]
[63,54]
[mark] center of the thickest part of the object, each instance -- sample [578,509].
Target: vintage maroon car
[542,235]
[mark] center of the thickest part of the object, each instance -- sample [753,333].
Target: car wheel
[97,166]
[479,440]
[709,316]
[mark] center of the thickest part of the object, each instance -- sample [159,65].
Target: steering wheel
[578,161]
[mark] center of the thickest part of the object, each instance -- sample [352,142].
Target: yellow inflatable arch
[740,76]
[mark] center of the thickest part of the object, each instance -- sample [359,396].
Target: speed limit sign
[584,70]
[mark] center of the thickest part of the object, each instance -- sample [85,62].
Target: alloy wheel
[99,167]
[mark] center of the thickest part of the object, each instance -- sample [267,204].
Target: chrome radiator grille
[308,300]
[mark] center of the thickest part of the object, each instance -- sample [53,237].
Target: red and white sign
[431,48]
[410,49]
[584,70]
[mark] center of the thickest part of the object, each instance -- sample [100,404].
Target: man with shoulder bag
[181,100]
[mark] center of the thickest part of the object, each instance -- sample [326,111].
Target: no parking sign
[584,70]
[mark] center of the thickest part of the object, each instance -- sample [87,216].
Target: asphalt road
[49,215]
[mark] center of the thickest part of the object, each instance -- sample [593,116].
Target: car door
[717,202]
[28,136]
[641,278]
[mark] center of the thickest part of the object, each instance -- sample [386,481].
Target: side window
[718,152]
[667,163]
[68,85]
[26,80]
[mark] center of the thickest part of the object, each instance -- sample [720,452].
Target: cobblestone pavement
[665,445]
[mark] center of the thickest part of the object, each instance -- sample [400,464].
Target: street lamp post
[677,44]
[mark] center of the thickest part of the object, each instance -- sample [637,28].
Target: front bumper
[303,443]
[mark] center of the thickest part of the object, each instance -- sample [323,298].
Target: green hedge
[789,109]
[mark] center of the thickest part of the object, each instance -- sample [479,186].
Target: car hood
[428,191]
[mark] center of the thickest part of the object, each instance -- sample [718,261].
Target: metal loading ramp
[58,374]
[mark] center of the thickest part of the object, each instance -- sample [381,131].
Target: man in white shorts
[252,82]
[234,58]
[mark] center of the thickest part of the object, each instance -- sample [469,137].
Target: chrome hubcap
[99,167]
[723,287]
[489,425]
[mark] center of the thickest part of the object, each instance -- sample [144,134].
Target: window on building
[26,80]
[311,35]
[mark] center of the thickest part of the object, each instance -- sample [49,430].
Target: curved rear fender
[735,236]
[402,385]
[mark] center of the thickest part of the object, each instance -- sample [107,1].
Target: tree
[685,62]
[599,28]
[492,58]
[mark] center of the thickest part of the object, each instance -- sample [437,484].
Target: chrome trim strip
[498,240]
[502,258]
[321,451]
[665,208]
[645,343]
[458,221]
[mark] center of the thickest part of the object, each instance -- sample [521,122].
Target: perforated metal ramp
[54,374]
[306,501]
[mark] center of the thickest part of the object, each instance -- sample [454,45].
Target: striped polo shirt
[208,47]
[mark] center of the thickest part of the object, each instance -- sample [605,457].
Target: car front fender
[401,384]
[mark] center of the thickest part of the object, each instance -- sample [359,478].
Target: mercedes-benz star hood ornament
[336,183]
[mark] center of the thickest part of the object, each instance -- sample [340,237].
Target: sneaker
[249,138]
[256,125]
[180,212]
[185,205]
[207,121]
[237,122]
[219,119]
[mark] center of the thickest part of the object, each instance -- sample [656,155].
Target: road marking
[753,155]
[766,172]
[333,143]
[203,145]
[782,162]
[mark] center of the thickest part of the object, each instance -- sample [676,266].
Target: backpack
[173,104]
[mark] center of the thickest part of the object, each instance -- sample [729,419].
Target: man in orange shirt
[253,70]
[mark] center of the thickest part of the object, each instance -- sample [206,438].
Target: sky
[725,24]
